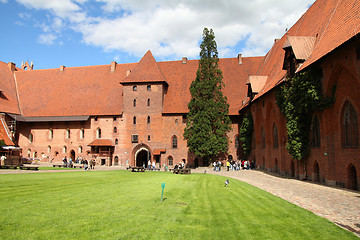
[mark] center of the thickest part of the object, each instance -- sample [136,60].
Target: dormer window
[297,50]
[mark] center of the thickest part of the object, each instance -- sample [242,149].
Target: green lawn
[126,205]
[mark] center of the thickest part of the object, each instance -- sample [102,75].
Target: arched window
[82,133]
[315,132]
[148,87]
[98,133]
[80,149]
[149,138]
[148,119]
[115,129]
[49,149]
[116,141]
[64,149]
[148,102]
[237,141]
[51,133]
[350,126]
[134,103]
[170,161]
[29,152]
[134,88]
[275,137]
[68,133]
[31,138]
[134,120]
[263,137]
[174,142]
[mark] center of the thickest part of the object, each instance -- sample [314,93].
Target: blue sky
[95,32]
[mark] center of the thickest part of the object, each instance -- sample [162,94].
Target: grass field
[126,205]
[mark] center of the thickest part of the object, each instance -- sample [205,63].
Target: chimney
[62,68]
[184,60]
[113,66]
[239,57]
[11,66]
[128,72]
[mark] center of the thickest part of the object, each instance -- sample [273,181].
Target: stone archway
[276,167]
[351,181]
[141,155]
[72,155]
[316,172]
[292,169]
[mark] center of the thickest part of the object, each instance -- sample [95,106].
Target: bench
[29,167]
[79,165]
[137,169]
[182,171]
[58,164]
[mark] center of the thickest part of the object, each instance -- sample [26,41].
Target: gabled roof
[257,83]
[8,95]
[147,70]
[301,46]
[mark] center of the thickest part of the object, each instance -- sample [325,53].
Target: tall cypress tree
[208,121]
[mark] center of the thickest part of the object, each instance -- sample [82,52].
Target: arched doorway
[142,157]
[316,172]
[352,178]
[116,160]
[263,164]
[292,169]
[72,155]
[196,162]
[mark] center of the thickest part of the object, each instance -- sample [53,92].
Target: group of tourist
[86,164]
[151,165]
[180,166]
[234,165]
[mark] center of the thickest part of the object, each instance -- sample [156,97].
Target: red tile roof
[159,151]
[8,96]
[330,22]
[77,91]
[147,70]
[101,142]
[179,77]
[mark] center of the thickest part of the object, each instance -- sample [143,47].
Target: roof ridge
[146,70]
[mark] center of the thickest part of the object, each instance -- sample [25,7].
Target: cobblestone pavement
[340,206]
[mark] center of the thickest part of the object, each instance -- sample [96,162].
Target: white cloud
[3,1]
[47,39]
[63,8]
[173,28]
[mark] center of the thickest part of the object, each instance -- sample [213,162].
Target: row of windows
[349,130]
[148,87]
[148,120]
[148,102]
[67,134]
[174,140]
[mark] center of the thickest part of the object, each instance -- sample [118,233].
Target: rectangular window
[134,138]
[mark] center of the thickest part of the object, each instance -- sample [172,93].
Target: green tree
[246,131]
[208,121]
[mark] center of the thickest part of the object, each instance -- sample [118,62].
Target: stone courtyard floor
[341,206]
